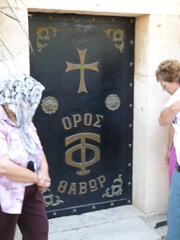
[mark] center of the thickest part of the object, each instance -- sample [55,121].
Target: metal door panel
[85,117]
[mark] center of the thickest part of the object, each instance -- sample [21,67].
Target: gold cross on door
[82,66]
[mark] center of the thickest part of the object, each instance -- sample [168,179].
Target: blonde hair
[168,71]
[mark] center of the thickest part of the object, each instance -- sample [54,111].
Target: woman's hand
[44,180]
[167,157]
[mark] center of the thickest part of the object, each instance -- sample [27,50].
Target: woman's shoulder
[5,124]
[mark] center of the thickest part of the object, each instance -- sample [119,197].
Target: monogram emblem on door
[82,163]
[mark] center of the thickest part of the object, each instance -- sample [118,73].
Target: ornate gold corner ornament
[49,105]
[49,198]
[116,190]
[43,34]
[117,36]
[112,102]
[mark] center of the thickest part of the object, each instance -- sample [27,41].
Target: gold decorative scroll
[50,199]
[116,188]
[44,34]
[117,36]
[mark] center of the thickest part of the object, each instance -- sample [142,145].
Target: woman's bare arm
[15,172]
[167,115]
[170,143]
[43,174]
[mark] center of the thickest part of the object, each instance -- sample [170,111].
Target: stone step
[120,223]
[129,229]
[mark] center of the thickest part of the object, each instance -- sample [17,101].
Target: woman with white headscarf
[23,165]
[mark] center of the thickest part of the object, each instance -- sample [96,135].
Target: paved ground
[120,223]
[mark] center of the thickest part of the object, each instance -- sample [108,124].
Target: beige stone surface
[106,7]
[120,223]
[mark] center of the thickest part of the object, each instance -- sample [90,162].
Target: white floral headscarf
[22,94]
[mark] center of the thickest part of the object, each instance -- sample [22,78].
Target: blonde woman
[168,75]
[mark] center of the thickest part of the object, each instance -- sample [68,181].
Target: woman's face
[169,87]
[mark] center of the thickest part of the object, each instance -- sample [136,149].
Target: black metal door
[86,114]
